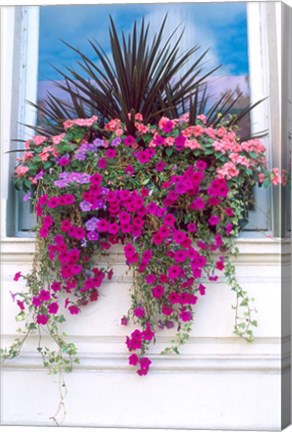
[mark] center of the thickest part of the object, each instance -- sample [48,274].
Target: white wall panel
[219,381]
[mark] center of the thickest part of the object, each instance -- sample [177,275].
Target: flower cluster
[171,195]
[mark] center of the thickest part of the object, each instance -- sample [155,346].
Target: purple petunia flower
[26,197]
[85,206]
[74,177]
[61,183]
[91,224]
[80,156]
[100,204]
[116,141]
[39,175]
[84,178]
[98,142]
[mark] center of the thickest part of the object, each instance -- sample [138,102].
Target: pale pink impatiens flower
[80,122]
[39,139]
[228,171]
[21,170]
[275,177]
[56,139]
[202,117]
[192,144]
[261,177]
[27,156]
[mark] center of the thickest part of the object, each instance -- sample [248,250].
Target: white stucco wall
[218,381]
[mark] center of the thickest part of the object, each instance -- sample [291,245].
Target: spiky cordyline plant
[145,75]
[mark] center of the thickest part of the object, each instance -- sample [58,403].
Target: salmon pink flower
[21,170]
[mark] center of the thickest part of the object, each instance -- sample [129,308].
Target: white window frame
[20,77]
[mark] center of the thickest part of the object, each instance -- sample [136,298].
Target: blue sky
[218,26]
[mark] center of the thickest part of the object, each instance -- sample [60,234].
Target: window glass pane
[219,27]
[222,28]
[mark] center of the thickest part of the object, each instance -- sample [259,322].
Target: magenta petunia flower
[197,204]
[160,166]
[159,140]
[43,199]
[64,161]
[229,211]
[168,126]
[185,316]
[158,291]
[111,153]
[192,227]
[129,140]
[96,179]
[56,286]
[17,276]
[139,312]
[214,201]
[219,265]
[133,360]
[150,279]
[20,304]
[48,221]
[180,142]
[214,220]
[76,269]
[42,319]
[180,256]
[74,310]
[173,298]
[68,199]
[129,170]
[44,295]
[148,334]
[36,302]
[129,250]
[174,272]
[202,289]
[124,217]
[93,236]
[166,310]
[124,321]
[101,163]
[157,239]
[201,165]
[179,237]
[53,202]
[169,219]
[228,228]
[103,225]
[43,232]
[53,308]
[114,228]
[163,278]
[143,157]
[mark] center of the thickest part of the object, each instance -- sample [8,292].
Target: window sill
[250,249]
